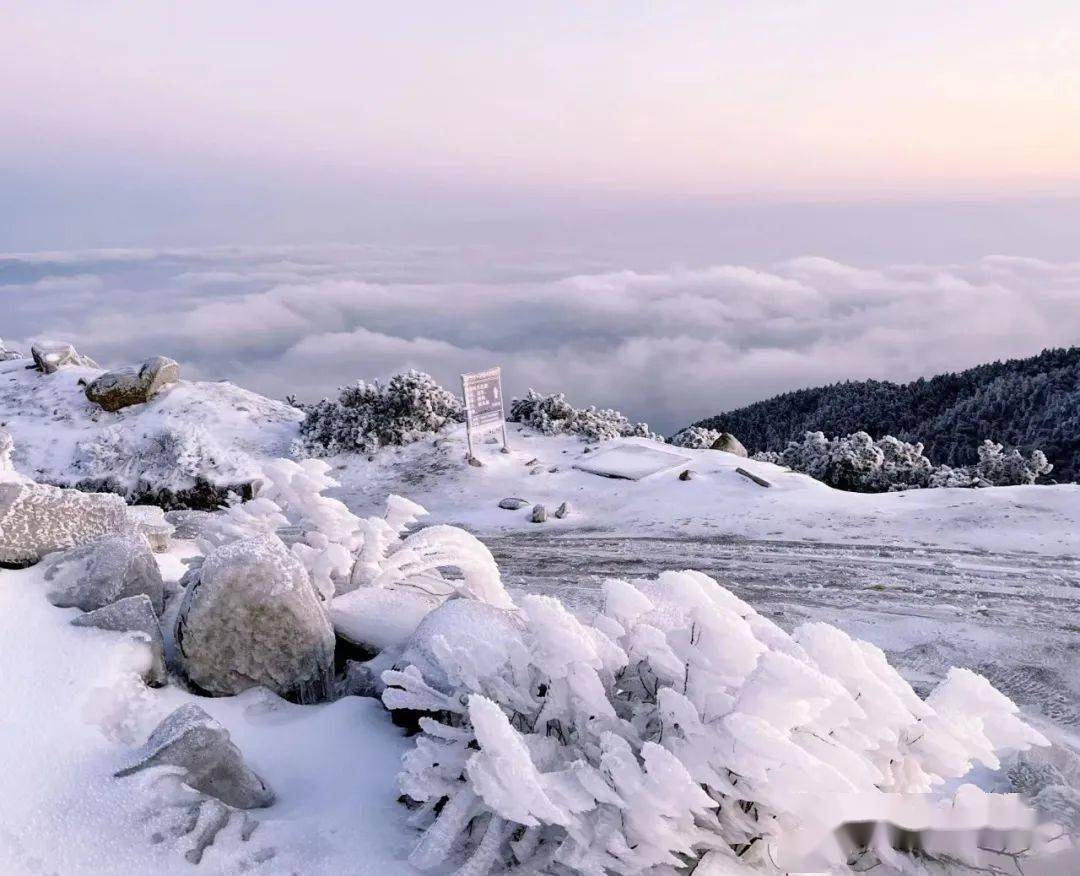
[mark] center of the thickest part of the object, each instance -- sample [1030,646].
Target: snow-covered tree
[695,438]
[1001,468]
[368,416]
[554,415]
[858,463]
[679,723]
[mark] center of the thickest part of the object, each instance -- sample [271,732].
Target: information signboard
[483,405]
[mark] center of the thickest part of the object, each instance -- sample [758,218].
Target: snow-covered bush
[368,416]
[343,552]
[679,723]
[695,438]
[554,415]
[1001,468]
[858,463]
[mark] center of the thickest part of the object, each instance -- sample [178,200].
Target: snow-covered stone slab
[630,461]
[150,521]
[36,520]
[94,575]
[51,356]
[189,738]
[133,614]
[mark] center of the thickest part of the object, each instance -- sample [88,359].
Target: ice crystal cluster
[679,724]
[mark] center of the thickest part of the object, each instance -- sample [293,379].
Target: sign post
[483,406]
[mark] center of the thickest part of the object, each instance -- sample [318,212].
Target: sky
[517,147]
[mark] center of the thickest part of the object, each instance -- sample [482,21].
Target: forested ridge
[1031,403]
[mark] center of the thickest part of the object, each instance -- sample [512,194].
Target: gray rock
[687,475]
[531,462]
[760,481]
[192,740]
[36,520]
[537,469]
[729,444]
[50,356]
[123,387]
[553,470]
[513,503]
[476,463]
[94,575]
[539,514]
[252,617]
[563,510]
[133,614]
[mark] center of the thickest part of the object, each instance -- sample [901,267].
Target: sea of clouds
[669,346]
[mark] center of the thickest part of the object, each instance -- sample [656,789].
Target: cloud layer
[666,346]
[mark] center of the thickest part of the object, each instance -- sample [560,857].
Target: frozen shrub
[368,416]
[1001,468]
[679,723]
[342,552]
[695,438]
[858,463]
[554,415]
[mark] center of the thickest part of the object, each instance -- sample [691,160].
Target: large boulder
[124,387]
[94,575]
[192,740]
[252,617]
[730,444]
[50,356]
[133,614]
[36,520]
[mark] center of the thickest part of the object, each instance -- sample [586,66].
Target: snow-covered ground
[191,430]
[74,709]
[986,579]
[717,502]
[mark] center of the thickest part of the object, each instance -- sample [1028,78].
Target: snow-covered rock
[192,740]
[729,444]
[124,387]
[513,503]
[252,617]
[7,355]
[95,575]
[150,521]
[36,520]
[51,356]
[539,514]
[133,614]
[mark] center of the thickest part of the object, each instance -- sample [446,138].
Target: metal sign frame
[484,411]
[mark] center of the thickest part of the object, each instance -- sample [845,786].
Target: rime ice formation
[94,575]
[251,617]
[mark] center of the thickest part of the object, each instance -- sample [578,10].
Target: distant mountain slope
[1024,403]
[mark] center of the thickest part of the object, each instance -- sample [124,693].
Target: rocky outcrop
[50,356]
[98,574]
[36,520]
[124,387]
[193,741]
[730,444]
[252,617]
[133,614]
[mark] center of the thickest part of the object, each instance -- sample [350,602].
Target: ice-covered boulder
[730,444]
[192,740]
[150,521]
[124,387]
[36,520]
[133,614]
[94,575]
[50,356]
[252,617]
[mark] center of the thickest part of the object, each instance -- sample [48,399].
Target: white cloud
[669,346]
